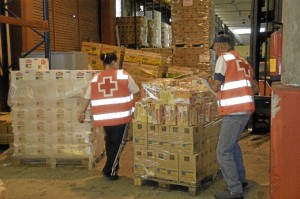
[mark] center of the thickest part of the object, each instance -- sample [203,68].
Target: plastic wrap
[127,29]
[175,130]
[45,106]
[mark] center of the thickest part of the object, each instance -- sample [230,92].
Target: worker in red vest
[234,84]
[110,95]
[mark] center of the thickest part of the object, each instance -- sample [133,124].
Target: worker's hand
[203,75]
[81,118]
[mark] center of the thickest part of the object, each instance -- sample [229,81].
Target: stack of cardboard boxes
[166,35]
[143,66]
[6,135]
[45,106]
[175,131]
[95,49]
[192,32]
[130,33]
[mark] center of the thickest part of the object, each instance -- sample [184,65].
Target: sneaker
[113,178]
[110,177]
[228,195]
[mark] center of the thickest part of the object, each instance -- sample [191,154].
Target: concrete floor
[78,183]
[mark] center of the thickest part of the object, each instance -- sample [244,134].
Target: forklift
[265,57]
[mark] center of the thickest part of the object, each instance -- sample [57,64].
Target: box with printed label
[140,142]
[140,129]
[33,64]
[153,131]
[190,168]
[163,132]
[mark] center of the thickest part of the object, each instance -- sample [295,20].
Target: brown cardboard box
[163,132]
[140,129]
[153,130]
[140,142]
[190,168]
[150,163]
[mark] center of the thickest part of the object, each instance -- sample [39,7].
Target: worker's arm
[81,116]
[214,84]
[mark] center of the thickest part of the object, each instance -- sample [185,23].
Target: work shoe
[110,177]
[228,195]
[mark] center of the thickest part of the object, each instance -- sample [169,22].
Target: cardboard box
[152,143]
[153,130]
[150,163]
[140,129]
[62,114]
[62,138]
[91,48]
[163,132]
[140,142]
[41,126]
[33,64]
[139,155]
[190,168]
[61,126]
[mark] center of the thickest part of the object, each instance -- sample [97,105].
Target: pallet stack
[192,32]
[126,26]
[173,141]
[95,49]
[143,66]
[166,35]
[45,126]
[6,135]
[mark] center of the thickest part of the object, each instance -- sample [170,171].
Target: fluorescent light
[246,31]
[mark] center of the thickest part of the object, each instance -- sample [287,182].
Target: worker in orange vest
[110,95]
[234,84]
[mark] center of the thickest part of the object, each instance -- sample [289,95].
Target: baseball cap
[221,39]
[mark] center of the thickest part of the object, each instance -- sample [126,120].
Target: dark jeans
[114,142]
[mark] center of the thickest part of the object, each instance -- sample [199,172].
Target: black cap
[221,39]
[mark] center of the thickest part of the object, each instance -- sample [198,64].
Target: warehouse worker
[110,94]
[234,84]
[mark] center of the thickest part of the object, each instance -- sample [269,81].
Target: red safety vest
[111,101]
[236,93]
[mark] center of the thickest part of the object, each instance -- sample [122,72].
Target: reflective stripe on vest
[236,100]
[116,115]
[228,57]
[121,75]
[235,84]
[118,100]
[95,78]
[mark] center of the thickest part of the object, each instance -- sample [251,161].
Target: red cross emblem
[242,66]
[107,86]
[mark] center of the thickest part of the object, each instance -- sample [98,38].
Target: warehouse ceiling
[235,15]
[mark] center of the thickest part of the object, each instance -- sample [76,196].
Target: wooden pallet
[51,162]
[169,185]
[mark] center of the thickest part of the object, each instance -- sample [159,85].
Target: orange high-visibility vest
[236,93]
[111,101]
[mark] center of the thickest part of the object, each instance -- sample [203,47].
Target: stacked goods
[195,57]
[166,56]
[6,136]
[192,21]
[174,131]
[154,33]
[143,66]
[192,32]
[95,49]
[154,27]
[166,35]
[127,33]
[45,120]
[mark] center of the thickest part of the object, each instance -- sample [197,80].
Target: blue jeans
[229,153]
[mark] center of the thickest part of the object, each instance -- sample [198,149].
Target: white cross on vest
[242,66]
[107,86]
